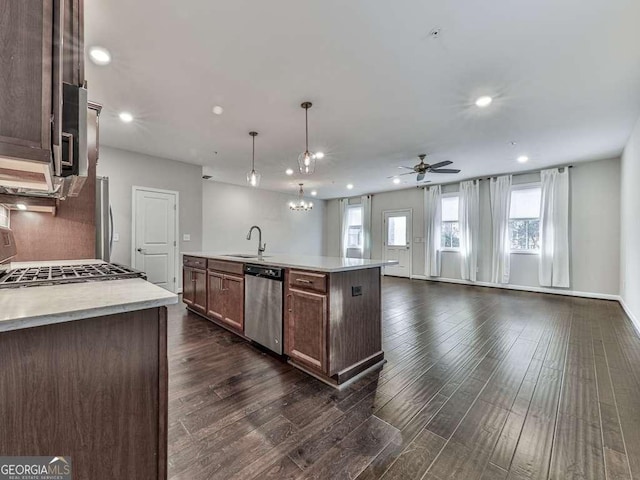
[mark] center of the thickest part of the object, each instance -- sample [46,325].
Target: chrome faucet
[261,247]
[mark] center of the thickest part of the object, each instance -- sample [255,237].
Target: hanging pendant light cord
[306,127]
[253,154]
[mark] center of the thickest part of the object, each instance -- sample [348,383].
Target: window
[524,219]
[450,223]
[397,231]
[354,222]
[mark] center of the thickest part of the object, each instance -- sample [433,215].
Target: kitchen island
[84,375]
[331,307]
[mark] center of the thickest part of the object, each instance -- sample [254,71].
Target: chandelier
[300,204]
[253,177]
[307,159]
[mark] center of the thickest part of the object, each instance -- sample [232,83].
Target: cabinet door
[73,53]
[234,302]
[188,286]
[306,328]
[26,36]
[200,287]
[215,298]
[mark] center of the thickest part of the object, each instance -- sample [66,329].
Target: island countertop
[303,262]
[43,305]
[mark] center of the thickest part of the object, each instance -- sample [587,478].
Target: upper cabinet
[42,48]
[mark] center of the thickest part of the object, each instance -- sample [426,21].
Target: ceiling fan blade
[441,164]
[420,177]
[410,168]
[445,170]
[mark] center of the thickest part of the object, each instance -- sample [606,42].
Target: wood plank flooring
[480,383]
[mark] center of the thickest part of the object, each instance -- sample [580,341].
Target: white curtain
[433,226]
[554,228]
[344,226]
[365,202]
[469,216]
[500,193]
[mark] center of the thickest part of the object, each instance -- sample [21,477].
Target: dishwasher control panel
[273,273]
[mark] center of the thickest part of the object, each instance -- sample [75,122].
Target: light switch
[116,237]
[186,237]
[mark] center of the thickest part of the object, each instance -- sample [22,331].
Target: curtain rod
[526,172]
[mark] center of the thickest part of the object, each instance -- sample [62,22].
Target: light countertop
[304,262]
[34,306]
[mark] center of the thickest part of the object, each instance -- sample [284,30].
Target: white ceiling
[565,76]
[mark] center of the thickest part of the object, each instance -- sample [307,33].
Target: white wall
[126,169]
[230,210]
[595,229]
[630,221]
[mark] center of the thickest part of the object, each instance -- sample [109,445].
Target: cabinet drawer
[195,262]
[226,267]
[308,281]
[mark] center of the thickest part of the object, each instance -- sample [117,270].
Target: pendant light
[253,177]
[301,205]
[307,159]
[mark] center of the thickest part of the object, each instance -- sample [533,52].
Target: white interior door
[154,235]
[398,233]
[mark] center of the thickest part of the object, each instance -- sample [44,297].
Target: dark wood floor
[480,384]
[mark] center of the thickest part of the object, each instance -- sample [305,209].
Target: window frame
[360,235]
[442,222]
[523,186]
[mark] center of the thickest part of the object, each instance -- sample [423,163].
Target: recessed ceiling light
[319,155]
[484,101]
[396,180]
[523,159]
[21,206]
[289,171]
[314,193]
[100,55]
[126,117]
[350,186]
[218,110]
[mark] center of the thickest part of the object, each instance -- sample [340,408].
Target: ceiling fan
[423,168]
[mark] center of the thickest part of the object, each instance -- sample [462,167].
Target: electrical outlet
[186,237]
[116,237]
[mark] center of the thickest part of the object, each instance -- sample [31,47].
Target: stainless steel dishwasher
[263,298]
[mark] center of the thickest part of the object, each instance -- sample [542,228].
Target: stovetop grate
[59,274]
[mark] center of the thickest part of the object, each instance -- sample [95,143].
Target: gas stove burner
[60,274]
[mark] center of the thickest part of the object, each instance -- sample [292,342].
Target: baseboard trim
[569,293]
[634,320]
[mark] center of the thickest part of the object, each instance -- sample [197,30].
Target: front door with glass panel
[397,226]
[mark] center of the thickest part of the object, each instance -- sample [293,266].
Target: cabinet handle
[290,300]
[302,280]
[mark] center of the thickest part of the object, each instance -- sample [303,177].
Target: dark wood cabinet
[215,295]
[42,47]
[194,288]
[234,301]
[26,35]
[225,299]
[306,328]
[95,389]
